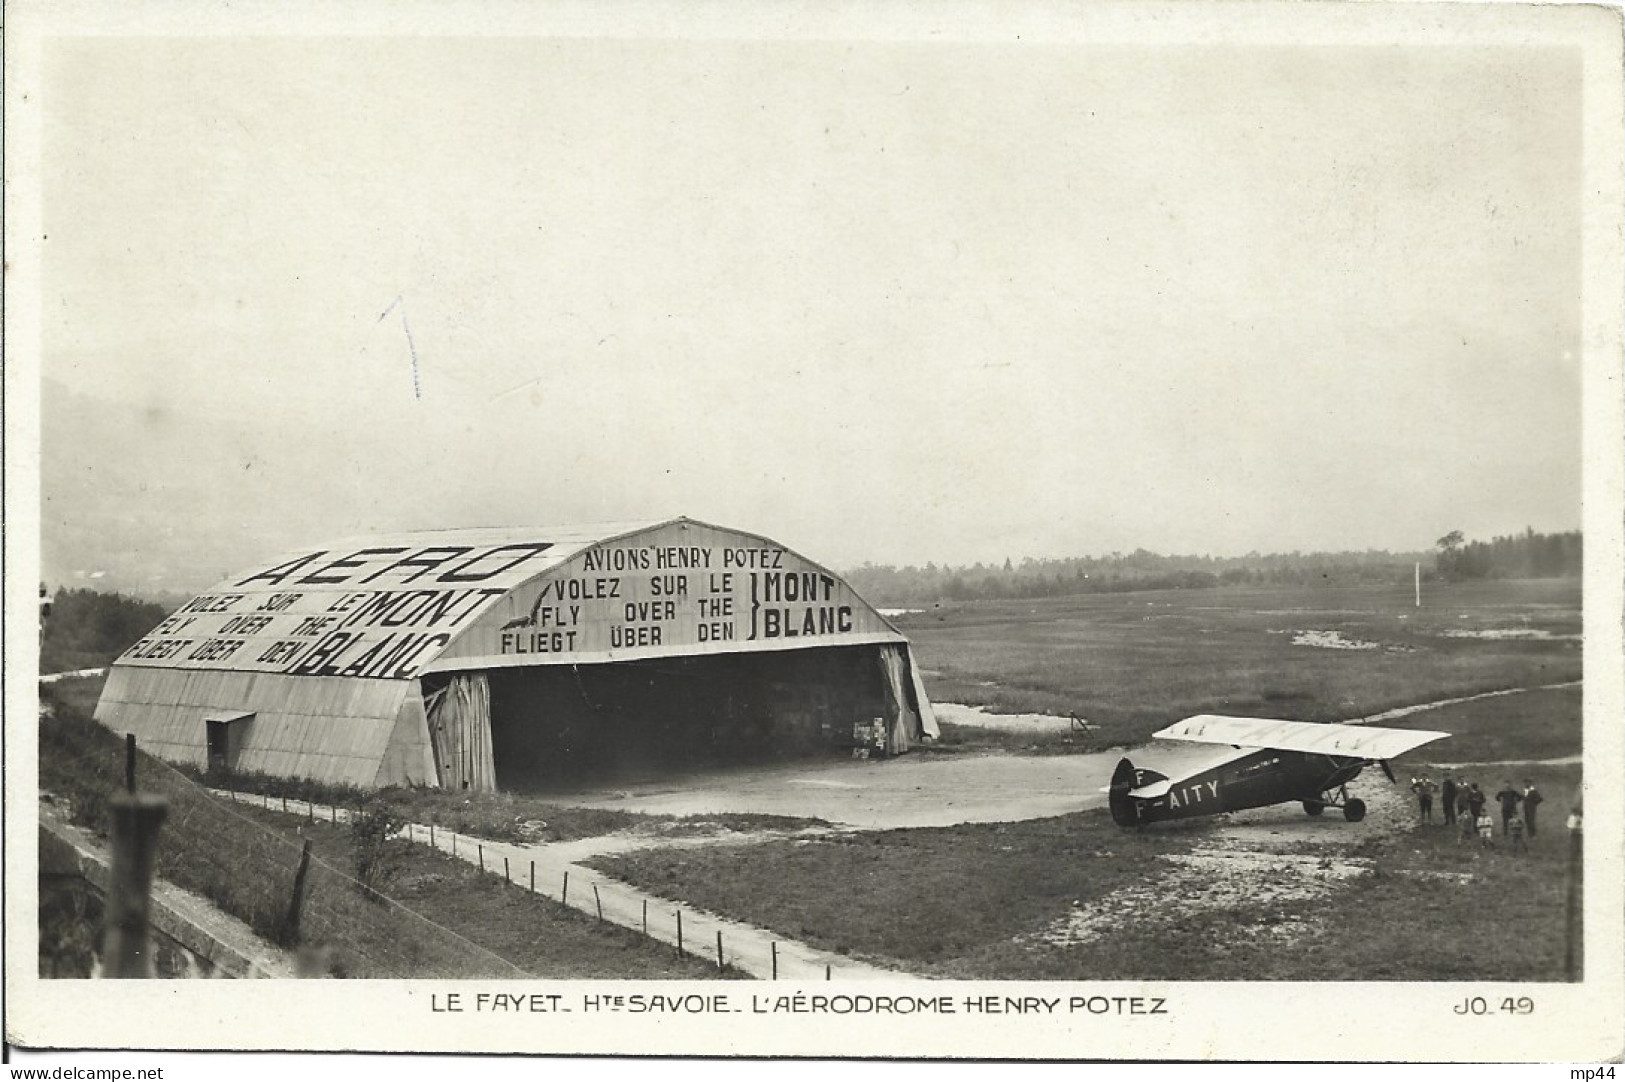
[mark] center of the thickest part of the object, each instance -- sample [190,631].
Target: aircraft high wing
[1362,741]
[1274,762]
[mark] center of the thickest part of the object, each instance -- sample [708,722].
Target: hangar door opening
[565,726]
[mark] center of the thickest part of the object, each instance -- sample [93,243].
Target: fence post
[290,927]
[645,916]
[679,933]
[431,836]
[284,802]
[775,959]
[826,971]
[1571,963]
[481,847]
[506,878]
[565,897]
[334,809]
[533,877]
[719,948]
[136,821]
[598,903]
[129,762]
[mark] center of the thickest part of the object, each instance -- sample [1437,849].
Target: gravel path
[553,870]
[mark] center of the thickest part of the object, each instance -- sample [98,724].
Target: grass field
[1432,907]
[1133,663]
[535,933]
[983,900]
[78,693]
[446,919]
[926,898]
[975,901]
[1532,726]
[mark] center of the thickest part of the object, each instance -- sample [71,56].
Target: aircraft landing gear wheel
[1354,810]
[1313,807]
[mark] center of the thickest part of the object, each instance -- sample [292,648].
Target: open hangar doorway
[562,727]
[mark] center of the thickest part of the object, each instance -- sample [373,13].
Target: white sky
[881,301]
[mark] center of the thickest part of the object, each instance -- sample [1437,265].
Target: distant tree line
[1119,572]
[1529,555]
[86,629]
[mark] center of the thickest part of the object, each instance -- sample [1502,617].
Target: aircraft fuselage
[1256,779]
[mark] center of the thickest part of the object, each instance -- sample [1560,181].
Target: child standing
[1515,838]
[1469,828]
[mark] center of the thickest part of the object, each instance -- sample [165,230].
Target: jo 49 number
[1509,1005]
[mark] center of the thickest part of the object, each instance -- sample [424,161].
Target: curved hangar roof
[400,606]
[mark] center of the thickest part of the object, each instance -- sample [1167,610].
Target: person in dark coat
[1447,797]
[1531,800]
[1475,799]
[1509,798]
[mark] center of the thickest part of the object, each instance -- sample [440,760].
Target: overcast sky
[882,301]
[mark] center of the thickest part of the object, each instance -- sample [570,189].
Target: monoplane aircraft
[1271,762]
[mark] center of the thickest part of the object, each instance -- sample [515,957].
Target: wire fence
[732,948]
[342,923]
[265,877]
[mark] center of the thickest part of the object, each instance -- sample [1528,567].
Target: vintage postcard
[923,531]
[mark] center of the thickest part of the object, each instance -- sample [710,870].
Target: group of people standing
[1464,802]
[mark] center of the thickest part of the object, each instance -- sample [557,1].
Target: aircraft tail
[1127,777]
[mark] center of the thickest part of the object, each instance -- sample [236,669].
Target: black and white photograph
[963,531]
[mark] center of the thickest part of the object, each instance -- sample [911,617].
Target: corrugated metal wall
[409,759]
[328,728]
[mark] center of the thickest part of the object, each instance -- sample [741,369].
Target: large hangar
[516,658]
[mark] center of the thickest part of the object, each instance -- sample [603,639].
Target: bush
[88,629]
[262,784]
[371,829]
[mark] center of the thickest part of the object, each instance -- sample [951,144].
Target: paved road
[51,678]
